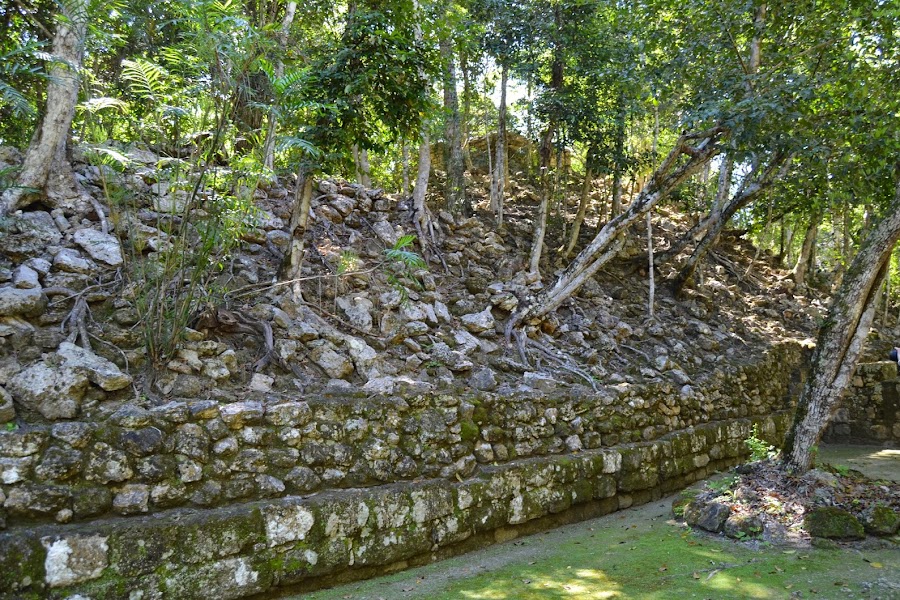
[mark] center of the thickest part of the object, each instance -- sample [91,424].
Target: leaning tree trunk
[841,339]
[608,240]
[456,181]
[46,167]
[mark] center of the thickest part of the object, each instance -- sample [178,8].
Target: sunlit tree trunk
[841,339]
[498,172]
[582,211]
[269,144]
[293,260]
[805,260]
[46,167]
[456,181]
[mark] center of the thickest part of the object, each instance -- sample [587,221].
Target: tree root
[230,321]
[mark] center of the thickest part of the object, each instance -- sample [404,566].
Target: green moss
[468,431]
[833,523]
[682,500]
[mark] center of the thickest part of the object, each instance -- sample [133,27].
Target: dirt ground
[643,553]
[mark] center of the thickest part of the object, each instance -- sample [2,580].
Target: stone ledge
[309,542]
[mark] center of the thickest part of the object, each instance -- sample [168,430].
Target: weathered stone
[539,381]
[21,442]
[75,434]
[358,310]
[55,392]
[71,261]
[483,379]
[28,235]
[286,524]
[261,383]
[100,246]
[106,464]
[130,417]
[742,526]
[74,559]
[453,360]
[14,470]
[132,499]
[32,500]
[336,365]
[97,369]
[881,520]
[833,523]
[289,413]
[7,409]
[59,464]
[710,516]
[26,278]
[479,322]
[26,302]
[238,414]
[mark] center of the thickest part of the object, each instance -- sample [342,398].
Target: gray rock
[30,500]
[335,364]
[479,322]
[238,414]
[289,413]
[75,434]
[380,385]
[539,381]
[71,261]
[7,409]
[55,392]
[414,328]
[710,516]
[97,369]
[74,559]
[442,312]
[132,499]
[28,235]
[385,233]
[14,470]
[40,265]
[142,442]
[26,278]
[26,302]
[59,464]
[358,310]
[453,360]
[483,379]
[303,479]
[21,442]
[100,246]
[261,383]
[106,464]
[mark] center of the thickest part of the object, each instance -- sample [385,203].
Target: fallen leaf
[877,565]
[695,575]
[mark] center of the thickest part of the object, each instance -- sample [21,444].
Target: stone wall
[201,499]
[870,410]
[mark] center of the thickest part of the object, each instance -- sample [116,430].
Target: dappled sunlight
[586,584]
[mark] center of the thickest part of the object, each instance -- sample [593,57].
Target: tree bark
[269,144]
[498,172]
[841,339]
[608,240]
[456,181]
[46,167]
[582,211]
[404,150]
[806,251]
[293,262]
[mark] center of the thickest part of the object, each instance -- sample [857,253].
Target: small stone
[539,381]
[238,414]
[710,516]
[479,322]
[74,559]
[303,479]
[414,328]
[7,409]
[132,499]
[216,369]
[100,246]
[380,385]
[336,365]
[97,369]
[573,443]
[70,261]
[106,464]
[30,500]
[22,302]
[59,464]
[358,310]
[261,383]
[130,417]
[881,520]
[75,434]
[289,413]
[14,470]
[25,278]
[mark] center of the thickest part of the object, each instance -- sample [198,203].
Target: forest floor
[644,553]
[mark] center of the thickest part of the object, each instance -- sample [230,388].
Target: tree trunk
[420,210]
[404,150]
[361,162]
[582,211]
[46,167]
[293,260]
[498,184]
[619,159]
[456,182]
[806,251]
[269,144]
[651,277]
[608,240]
[841,339]
[752,188]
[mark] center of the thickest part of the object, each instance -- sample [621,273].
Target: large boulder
[833,523]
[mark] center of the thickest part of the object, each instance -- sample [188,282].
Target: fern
[408,258]
[147,80]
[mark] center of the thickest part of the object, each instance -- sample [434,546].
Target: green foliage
[759,448]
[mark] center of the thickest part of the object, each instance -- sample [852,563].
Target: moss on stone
[468,431]
[833,523]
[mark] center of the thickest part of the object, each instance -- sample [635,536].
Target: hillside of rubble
[378,314]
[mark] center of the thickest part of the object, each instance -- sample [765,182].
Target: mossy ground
[638,554]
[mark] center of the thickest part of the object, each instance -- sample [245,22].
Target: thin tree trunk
[619,158]
[841,339]
[293,262]
[582,211]
[456,181]
[608,240]
[651,276]
[498,184]
[420,210]
[404,149]
[269,144]
[46,167]
[806,251]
